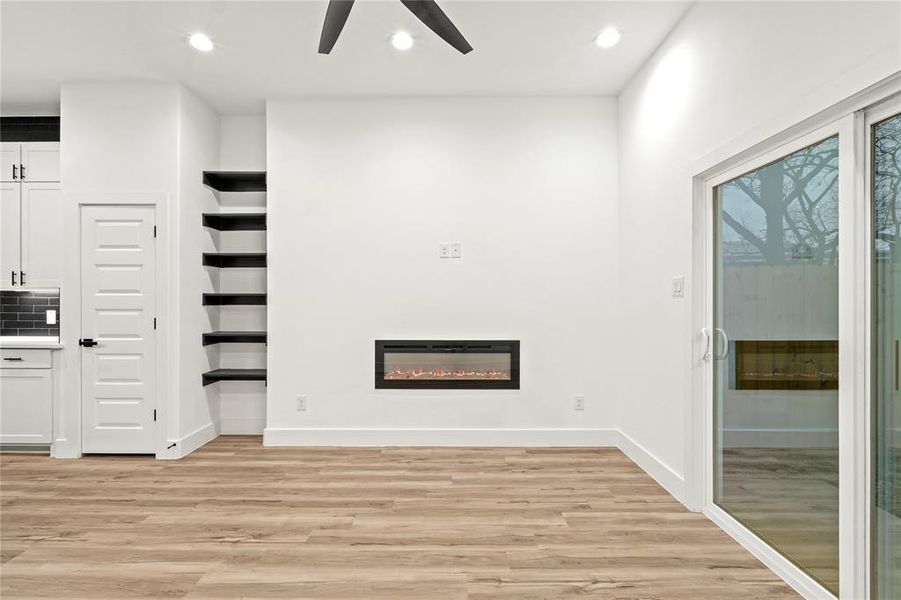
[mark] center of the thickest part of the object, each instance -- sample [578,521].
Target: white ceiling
[268,49]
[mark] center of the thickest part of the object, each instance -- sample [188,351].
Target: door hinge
[154,414]
[154,231]
[154,322]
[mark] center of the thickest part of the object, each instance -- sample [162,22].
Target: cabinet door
[9,157]
[42,235]
[26,406]
[40,161]
[10,227]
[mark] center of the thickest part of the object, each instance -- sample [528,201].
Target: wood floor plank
[236,520]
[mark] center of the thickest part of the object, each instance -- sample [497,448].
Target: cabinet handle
[21,171]
[13,274]
[21,277]
[14,171]
[14,358]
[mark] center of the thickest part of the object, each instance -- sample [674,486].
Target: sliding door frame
[868,119]
[848,119]
[844,129]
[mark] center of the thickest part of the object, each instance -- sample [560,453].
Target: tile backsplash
[24,313]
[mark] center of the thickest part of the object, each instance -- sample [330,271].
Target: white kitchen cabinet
[26,396]
[29,161]
[40,162]
[10,156]
[42,231]
[26,405]
[10,233]
[31,254]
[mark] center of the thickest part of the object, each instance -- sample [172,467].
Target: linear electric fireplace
[447,364]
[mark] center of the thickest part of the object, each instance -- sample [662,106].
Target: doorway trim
[845,117]
[68,440]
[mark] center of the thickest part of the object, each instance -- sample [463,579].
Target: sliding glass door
[774,348]
[885,185]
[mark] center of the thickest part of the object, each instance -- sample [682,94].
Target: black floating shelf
[234,375]
[232,299]
[235,221]
[225,260]
[236,181]
[234,337]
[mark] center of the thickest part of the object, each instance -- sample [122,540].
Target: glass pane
[452,366]
[887,331]
[775,353]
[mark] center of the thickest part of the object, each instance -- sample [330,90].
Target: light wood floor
[238,520]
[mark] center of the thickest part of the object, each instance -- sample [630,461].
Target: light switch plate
[678,287]
[51,317]
[449,250]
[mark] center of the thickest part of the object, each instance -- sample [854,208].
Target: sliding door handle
[722,355]
[897,366]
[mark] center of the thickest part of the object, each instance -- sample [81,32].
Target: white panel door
[118,375]
[10,228]
[9,158]
[40,161]
[26,404]
[42,235]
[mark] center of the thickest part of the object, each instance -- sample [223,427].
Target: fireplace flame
[445,375]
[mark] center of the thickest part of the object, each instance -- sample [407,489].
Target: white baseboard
[662,473]
[61,448]
[191,442]
[439,437]
[242,426]
[780,438]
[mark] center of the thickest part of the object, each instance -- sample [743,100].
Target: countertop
[50,343]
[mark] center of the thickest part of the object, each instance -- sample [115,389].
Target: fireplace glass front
[446,364]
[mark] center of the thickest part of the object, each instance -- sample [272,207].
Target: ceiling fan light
[201,41]
[402,40]
[608,37]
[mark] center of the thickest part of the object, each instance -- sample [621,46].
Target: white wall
[121,141]
[99,158]
[242,403]
[727,69]
[198,151]
[361,192]
[243,143]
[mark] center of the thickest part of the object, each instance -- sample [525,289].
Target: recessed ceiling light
[201,41]
[608,37]
[402,40]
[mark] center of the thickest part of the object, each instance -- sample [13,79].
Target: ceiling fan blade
[335,17]
[434,18]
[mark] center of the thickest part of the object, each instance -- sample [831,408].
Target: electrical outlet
[301,403]
[579,403]
[455,250]
[51,317]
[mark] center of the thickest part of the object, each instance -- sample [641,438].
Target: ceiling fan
[426,11]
